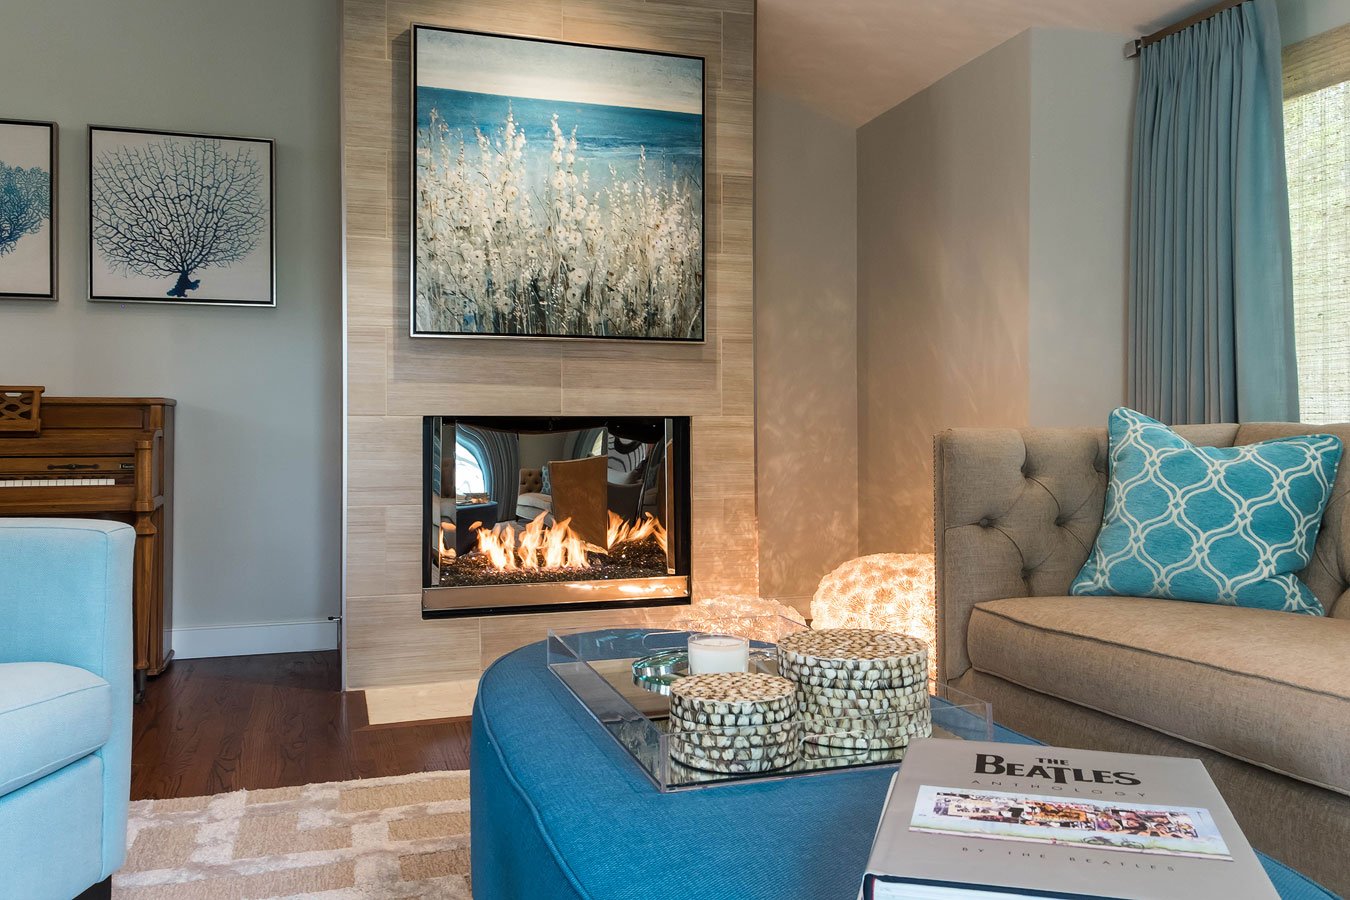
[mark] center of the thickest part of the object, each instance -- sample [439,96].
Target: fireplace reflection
[543,513]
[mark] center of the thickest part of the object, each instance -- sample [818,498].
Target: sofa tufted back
[531,481]
[1016,513]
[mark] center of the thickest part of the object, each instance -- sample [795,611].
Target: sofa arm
[65,597]
[1015,515]
[65,594]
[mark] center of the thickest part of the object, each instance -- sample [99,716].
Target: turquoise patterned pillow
[1226,525]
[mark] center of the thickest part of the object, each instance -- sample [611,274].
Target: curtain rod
[1133,47]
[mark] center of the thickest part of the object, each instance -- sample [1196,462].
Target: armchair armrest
[65,597]
[65,594]
[1015,515]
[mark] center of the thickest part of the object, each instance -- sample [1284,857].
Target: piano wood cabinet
[106,458]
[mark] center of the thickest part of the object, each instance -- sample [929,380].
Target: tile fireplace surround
[393,380]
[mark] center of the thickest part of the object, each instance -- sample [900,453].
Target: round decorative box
[859,658]
[858,688]
[811,702]
[734,722]
[732,698]
[732,760]
[867,734]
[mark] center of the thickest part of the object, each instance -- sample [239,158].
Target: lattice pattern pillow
[1226,525]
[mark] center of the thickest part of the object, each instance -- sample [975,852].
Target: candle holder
[712,654]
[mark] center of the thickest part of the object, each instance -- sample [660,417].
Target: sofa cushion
[50,716]
[1258,685]
[532,504]
[1228,525]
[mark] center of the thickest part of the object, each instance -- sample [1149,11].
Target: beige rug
[400,837]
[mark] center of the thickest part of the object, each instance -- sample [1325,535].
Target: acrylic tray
[596,666]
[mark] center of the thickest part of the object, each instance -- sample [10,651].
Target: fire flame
[557,546]
[621,530]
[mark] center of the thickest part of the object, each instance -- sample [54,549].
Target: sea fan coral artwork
[180,217]
[27,234]
[557,190]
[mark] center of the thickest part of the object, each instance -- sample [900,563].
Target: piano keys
[106,458]
[56,482]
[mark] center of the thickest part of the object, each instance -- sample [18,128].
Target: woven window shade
[1317,157]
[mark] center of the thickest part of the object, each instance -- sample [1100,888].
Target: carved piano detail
[106,458]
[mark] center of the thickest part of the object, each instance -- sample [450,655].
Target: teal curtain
[1211,316]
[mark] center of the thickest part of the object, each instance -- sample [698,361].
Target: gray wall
[805,346]
[942,282]
[259,429]
[1302,19]
[1082,98]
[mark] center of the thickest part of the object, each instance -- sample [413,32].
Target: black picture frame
[268,241]
[52,217]
[413,127]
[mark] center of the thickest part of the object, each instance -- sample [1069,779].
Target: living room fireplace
[532,514]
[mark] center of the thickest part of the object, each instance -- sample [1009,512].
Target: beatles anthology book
[968,819]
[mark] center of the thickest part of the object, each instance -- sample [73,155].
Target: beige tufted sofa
[1262,697]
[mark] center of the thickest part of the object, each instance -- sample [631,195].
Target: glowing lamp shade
[886,591]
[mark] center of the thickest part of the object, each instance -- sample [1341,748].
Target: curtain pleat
[501,452]
[1211,292]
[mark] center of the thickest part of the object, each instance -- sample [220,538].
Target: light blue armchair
[65,705]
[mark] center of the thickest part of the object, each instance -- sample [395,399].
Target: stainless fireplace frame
[456,601]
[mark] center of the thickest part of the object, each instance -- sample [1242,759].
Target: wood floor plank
[252,722]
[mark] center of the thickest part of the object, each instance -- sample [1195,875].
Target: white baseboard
[250,640]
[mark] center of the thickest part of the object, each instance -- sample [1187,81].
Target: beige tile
[733,135]
[367,376]
[723,459]
[363,29]
[532,18]
[738,213]
[738,376]
[738,53]
[389,643]
[502,634]
[647,26]
[377,291]
[644,387]
[366,179]
[730,6]
[384,456]
[730,277]
[368,113]
[419,702]
[477,361]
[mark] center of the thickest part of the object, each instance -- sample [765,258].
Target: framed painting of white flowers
[557,190]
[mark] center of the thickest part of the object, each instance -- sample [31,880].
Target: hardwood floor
[213,725]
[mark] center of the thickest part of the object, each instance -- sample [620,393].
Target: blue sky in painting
[518,68]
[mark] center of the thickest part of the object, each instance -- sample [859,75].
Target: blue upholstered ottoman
[561,812]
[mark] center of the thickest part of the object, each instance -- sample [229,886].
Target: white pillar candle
[709,653]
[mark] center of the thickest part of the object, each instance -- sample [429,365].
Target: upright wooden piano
[104,458]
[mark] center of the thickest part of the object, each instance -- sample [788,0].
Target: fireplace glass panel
[595,507]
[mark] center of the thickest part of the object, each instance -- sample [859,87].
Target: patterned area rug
[400,837]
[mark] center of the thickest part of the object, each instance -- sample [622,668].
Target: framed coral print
[181,218]
[27,210]
[557,190]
